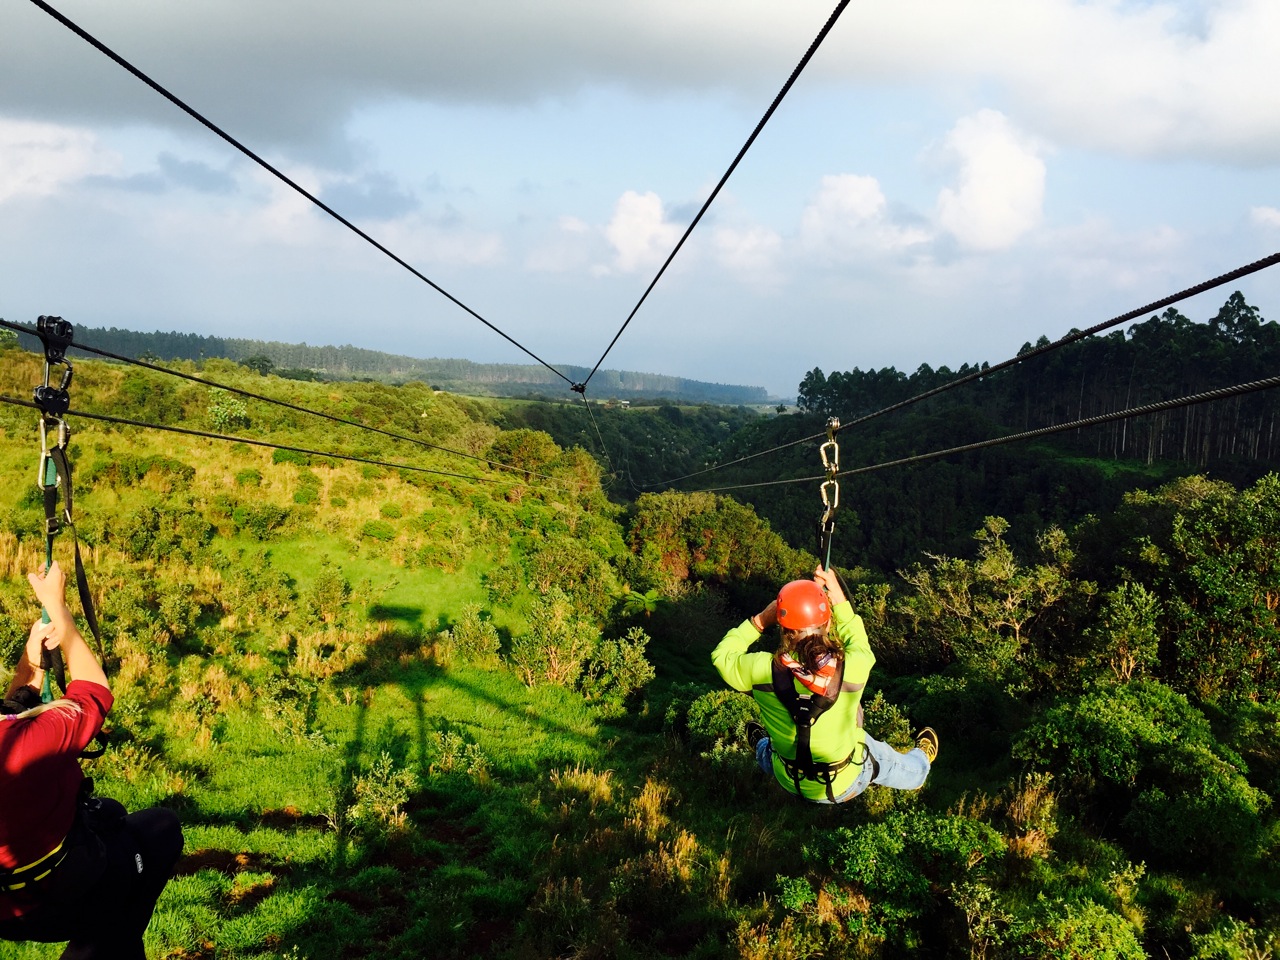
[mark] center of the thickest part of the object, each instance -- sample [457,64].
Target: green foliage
[1233,939]
[159,530]
[616,669]
[329,593]
[227,412]
[719,720]
[378,530]
[380,796]
[249,477]
[391,511]
[558,643]
[260,521]
[290,456]
[896,861]
[306,495]
[1076,931]
[474,637]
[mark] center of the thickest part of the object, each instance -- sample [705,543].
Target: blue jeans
[898,771]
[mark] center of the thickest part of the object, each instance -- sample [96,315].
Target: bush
[290,456]
[379,530]
[227,412]
[475,638]
[391,511]
[615,670]
[719,720]
[251,477]
[305,495]
[260,520]
[557,645]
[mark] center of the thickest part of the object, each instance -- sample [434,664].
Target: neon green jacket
[837,732]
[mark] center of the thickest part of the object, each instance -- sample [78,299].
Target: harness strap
[20,877]
[805,711]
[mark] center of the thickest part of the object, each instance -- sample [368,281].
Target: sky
[945,181]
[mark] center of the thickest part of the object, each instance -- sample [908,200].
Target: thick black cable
[813,48]
[106,418]
[8,324]
[107,51]
[1070,338]
[1209,396]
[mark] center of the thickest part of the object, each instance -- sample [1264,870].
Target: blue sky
[945,181]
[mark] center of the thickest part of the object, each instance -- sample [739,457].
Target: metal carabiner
[830,502]
[830,463]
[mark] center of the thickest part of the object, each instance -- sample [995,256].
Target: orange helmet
[803,605]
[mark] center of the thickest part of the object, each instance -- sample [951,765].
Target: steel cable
[186,431]
[1208,396]
[813,47]
[281,403]
[1070,338]
[107,51]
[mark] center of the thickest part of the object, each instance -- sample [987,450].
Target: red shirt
[40,778]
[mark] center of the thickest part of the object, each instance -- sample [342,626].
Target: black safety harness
[805,709]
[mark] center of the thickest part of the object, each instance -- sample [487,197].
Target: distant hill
[460,376]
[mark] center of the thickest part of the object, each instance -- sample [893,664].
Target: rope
[105,418]
[813,48]
[1208,396]
[1070,338]
[280,403]
[104,49]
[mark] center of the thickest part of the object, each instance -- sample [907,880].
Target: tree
[259,363]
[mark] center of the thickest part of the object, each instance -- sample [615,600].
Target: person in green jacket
[810,695]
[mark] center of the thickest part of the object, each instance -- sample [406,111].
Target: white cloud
[1000,193]
[1160,77]
[850,217]
[640,235]
[1267,216]
[752,252]
[39,159]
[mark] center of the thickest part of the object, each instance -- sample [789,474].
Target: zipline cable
[281,403]
[1221,393]
[1070,338]
[599,436]
[106,418]
[813,47]
[107,51]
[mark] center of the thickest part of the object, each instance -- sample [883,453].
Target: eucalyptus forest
[454,698]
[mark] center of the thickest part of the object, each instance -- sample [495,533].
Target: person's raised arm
[51,590]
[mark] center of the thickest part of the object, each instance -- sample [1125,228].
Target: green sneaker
[927,741]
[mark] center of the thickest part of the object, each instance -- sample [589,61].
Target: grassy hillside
[404,715]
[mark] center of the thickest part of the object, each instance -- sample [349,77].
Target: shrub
[719,720]
[227,412]
[615,670]
[305,495]
[379,530]
[380,796]
[329,592]
[1066,931]
[337,501]
[290,456]
[475,638]
[251,477]
[260,520]
[391,511]
[557,644]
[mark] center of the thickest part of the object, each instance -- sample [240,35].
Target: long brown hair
[810,646]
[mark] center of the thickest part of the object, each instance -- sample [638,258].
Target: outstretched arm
[51,590]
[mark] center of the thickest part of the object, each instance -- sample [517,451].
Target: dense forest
[301,361]
[403,713]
